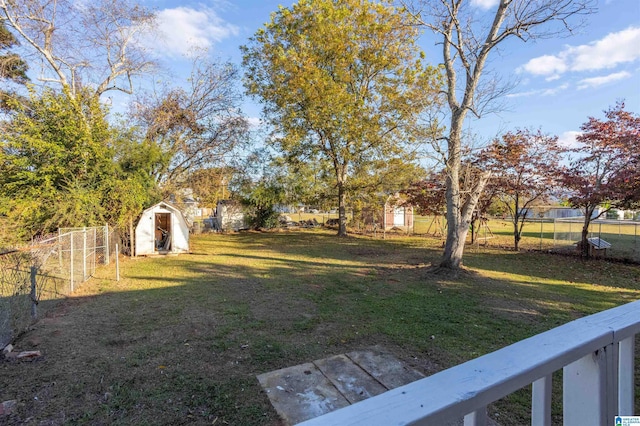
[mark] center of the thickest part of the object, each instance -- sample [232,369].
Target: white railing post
[625,376]
[596,354]
[587,389]
[541,402]
[477,418]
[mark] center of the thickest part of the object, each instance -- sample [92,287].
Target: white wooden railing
[595,352]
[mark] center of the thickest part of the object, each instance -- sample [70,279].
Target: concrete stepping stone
[309,390]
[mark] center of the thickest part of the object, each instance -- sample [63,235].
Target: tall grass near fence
[48,269]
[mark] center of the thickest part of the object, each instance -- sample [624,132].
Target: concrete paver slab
[350,380]
[301,393]
[309,390]
[385,368]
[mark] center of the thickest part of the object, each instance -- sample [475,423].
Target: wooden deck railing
[596,354]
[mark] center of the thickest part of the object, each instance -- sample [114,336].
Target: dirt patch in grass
[180,340]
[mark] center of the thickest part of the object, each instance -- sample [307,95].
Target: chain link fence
[48,269]
[623,235]
[559,235]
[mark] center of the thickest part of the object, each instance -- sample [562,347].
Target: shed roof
[166,205]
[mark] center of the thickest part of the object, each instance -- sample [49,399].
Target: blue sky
[560,82]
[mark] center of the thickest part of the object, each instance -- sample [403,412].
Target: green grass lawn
[180,339]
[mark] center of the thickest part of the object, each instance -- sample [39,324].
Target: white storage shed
[162,229]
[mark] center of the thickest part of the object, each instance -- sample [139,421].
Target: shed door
[398,216]
[163,231]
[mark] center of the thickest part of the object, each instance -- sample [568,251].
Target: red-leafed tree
[428,195]
[606,172]
[525,168]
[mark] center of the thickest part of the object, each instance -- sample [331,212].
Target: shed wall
[145,231]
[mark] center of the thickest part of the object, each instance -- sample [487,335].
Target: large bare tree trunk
[460,206]
[465,49]
[456,229]
[459,215]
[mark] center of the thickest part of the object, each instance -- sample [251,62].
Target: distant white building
[161,229]
[230,216]
[556,212]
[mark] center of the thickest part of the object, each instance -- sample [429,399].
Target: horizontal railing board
[467,387]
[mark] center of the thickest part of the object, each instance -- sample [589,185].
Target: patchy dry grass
[180,339]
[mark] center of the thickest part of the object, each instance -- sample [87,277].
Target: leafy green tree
[55,156]
[210,185]
[12,66]
[340,80]
[13,69]
[260,202]
[133,187]
[305,181]
[60,168]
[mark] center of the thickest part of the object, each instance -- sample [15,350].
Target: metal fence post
[106,244]
[600,230]
[94,250]
[541,234]
[84,254]
[60,248]
[117,264]
[71,261]
[33,295]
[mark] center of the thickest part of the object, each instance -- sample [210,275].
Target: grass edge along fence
[48,269]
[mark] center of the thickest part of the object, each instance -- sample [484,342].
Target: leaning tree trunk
[584,242]
[342,211]
[516,232]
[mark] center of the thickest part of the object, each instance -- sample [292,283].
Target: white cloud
[254,122]
[484,4]
[610,51]
[184,29]
[546,65]
[540,92]
[614,49]
[568,139]
[605,79]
